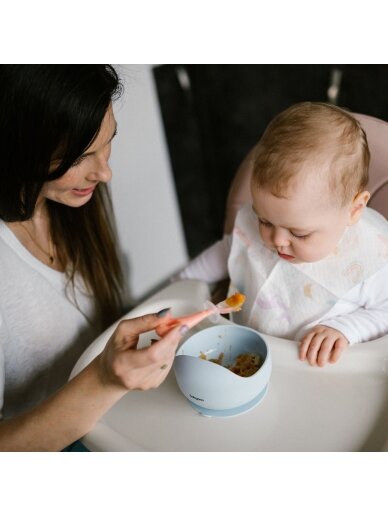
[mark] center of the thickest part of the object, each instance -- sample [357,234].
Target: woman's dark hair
[56,111]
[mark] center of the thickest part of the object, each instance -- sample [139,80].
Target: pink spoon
[231,304]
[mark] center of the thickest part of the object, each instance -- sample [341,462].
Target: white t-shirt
[42,331]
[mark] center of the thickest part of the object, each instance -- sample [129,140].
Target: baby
[309,255]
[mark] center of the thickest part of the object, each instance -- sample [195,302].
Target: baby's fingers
[325,351]
[304,345]
[314,348]
[339,347]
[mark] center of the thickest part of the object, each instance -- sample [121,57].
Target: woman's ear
[357,206]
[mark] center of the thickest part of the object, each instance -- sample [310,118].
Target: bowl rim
[267,358]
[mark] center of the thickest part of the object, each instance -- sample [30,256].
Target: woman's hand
[321,345]
[121,364]
[74,410]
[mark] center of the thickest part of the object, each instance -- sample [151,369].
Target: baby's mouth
[285,257]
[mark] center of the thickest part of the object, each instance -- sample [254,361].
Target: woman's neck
[35,235]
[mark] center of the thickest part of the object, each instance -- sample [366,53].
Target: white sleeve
[369,320]
[211,265]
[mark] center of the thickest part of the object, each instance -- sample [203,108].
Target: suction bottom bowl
[212,389]
[224,413]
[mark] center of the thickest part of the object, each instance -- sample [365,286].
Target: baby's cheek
[265,234]
[315,251]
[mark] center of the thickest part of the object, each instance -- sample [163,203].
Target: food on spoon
[236,300]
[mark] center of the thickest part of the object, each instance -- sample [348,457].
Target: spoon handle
[190,321]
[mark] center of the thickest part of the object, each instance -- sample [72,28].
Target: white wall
[144,199]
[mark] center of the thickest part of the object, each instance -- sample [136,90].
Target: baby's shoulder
[373,219]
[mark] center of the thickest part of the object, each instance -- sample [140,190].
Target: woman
[60,277]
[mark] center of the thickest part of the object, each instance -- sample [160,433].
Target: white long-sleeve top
[360,315]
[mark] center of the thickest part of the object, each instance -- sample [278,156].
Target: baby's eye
[264,223]
[300,236]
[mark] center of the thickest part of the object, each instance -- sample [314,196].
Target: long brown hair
[45,109]
[85,239]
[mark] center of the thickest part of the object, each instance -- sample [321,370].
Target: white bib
[283,297]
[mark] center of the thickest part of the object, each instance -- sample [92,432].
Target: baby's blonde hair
[327,138]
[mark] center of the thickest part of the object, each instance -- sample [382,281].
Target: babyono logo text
[196,398]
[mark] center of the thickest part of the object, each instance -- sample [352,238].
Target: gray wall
[147,215]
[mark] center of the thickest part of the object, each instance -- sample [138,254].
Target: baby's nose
[280,237]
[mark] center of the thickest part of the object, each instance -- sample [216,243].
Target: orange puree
[235,300]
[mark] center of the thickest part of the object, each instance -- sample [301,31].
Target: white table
[341,407]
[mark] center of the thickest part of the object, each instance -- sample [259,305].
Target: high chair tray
[340,407]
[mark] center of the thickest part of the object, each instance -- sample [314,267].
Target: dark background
[214,114]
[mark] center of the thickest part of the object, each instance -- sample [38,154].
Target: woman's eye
[78,161]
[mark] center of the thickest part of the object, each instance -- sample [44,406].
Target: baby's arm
[370,320]
[211,265]
[341,326]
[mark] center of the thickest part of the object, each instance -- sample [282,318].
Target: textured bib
[282,297]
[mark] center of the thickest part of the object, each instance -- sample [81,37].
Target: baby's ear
[357,206]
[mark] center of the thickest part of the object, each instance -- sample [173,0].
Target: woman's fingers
[162,352]
[144,368]
[128,330]
[171,340]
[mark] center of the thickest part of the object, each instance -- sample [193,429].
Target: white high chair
[377,134]
[343,407]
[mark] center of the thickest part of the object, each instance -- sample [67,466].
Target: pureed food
[244,365]
[236,300]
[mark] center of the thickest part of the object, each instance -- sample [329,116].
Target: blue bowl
[212,389]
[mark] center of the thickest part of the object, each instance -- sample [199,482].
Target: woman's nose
[280,237]
[101,171]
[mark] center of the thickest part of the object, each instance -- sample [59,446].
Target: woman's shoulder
[7,238]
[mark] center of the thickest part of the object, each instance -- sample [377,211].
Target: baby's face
[304,227]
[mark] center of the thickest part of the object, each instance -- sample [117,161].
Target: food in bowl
[244,365]
[215,391]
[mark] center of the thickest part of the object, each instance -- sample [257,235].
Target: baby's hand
[322,344]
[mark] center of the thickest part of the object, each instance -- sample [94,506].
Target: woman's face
[76,186]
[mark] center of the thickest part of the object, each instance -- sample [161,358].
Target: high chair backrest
[377,134]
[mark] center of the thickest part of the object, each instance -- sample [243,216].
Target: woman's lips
[285,257]
[83,191]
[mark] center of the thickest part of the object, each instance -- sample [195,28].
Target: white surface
[341,407]
[143,192]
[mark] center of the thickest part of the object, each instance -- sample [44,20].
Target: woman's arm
[74,409]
